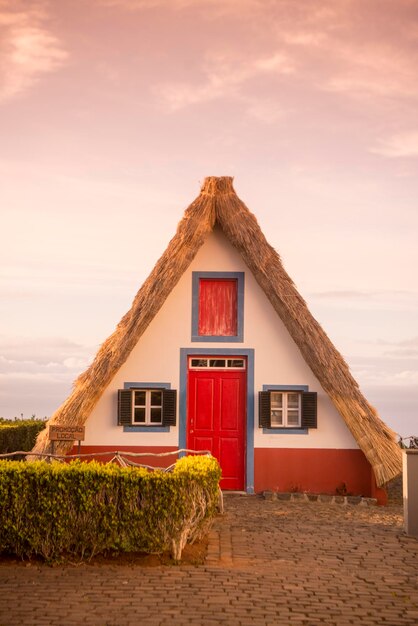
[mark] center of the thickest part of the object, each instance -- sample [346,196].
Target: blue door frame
[249,353]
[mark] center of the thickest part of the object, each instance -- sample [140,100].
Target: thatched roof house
[218,214]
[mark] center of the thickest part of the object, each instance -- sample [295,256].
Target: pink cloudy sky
[113,111]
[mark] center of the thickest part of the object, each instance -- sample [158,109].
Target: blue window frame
[286,430]
[135,428]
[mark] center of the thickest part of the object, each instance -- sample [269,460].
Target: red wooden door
[216,420]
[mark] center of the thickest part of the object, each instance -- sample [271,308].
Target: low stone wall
[313,497]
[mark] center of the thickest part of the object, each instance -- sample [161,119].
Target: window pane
[217,363]
[293,418]
[139,415]
[155,416]
[199,362]
[139,398]
[293,400]
[277,417]
[276,400]
[235,362]
[156,398]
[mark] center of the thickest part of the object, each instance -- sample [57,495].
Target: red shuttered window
[218,307]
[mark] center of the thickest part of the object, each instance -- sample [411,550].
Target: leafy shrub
[55,510]
[19,435]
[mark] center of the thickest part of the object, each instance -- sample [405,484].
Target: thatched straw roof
[219,204]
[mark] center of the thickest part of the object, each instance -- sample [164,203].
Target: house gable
[218,204]
[279,360]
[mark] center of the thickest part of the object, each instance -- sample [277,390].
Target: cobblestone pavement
[269,562]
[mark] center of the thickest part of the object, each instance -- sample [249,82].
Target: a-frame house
[219,351]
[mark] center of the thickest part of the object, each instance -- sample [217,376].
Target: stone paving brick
[275,562]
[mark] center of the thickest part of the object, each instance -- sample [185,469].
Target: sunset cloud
[387,378]
[399,145]
[224,75]
[42,351]
[38,372]
[372,299]
[220,6]
[326,47]
[266,110]
[28,51]
[338,52]
[390,370]
[405,349]
[373,70]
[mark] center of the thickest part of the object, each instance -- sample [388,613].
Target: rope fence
[125,459]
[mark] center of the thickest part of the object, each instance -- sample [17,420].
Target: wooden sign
[66,433]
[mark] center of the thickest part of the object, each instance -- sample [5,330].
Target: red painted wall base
[315,471]
[285,469]
[153,461]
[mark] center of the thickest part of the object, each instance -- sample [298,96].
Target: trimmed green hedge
[19,435]
[59,510]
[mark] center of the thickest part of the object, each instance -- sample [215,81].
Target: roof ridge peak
[216,185]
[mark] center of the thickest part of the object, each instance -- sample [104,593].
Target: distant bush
[63,509]
[19,435]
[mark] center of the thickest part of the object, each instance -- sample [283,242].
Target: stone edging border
[314,497]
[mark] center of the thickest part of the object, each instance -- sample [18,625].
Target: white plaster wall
[156,358]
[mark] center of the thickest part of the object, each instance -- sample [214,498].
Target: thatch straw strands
[219,204]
